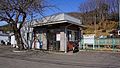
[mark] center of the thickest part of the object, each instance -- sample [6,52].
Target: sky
[61,6]
[64,6]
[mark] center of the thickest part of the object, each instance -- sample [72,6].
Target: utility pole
[119,19]
[95,24]
[119,15]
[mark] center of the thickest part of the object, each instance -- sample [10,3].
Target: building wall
[4,38]
[62,41]
[59,35]
[44,39]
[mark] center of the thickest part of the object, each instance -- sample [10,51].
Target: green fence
[106,43]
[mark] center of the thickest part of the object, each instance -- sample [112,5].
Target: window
[72,35]
[69,34]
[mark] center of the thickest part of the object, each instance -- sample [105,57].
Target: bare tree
[17,11]
[95,12]
[101,8]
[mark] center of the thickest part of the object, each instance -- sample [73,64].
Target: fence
[102,44]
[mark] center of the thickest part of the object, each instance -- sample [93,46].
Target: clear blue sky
[61,6]
[64,6]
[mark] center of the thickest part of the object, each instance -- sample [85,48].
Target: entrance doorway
[52,44]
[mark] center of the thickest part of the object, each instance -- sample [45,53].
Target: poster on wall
[57,37]
[118,32]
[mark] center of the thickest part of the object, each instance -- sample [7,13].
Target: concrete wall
[44,39]
[62,41]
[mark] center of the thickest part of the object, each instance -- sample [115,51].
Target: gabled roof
[57,18]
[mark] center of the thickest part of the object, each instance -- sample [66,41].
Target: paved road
[39,59]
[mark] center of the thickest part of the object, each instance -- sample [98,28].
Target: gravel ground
[45,59]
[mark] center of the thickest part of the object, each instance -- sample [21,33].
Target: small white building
[56,31]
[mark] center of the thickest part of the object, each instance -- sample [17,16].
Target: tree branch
[23,20]
[7,20]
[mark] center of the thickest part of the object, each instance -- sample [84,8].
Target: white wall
[4,38]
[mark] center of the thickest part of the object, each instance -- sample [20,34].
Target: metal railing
[102,43]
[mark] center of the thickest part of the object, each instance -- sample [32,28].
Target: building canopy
[57,18]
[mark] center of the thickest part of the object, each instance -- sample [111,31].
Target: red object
[70,45]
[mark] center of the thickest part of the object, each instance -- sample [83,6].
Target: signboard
[89,39]
[118,32]
[57,37]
